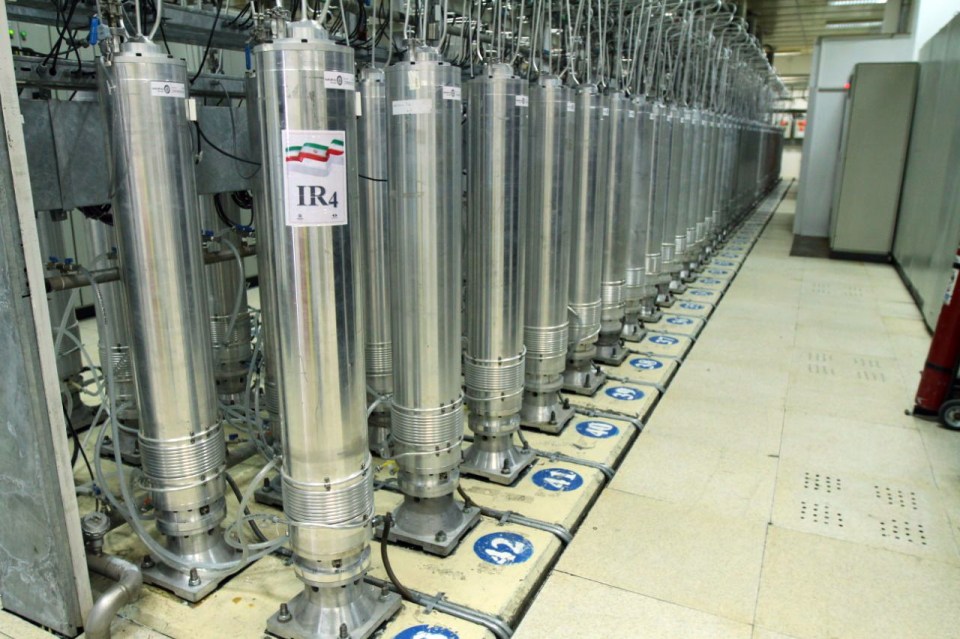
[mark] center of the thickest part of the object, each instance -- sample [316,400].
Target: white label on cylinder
[571,107]
[168,89]
[452,93]
[523,101]
[606,111]
[315,177]
[359,108]
[338,80]
[631,114]
[412,107]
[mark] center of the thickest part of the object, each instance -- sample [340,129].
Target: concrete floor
[779,490]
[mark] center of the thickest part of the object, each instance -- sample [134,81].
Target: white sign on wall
[315,177]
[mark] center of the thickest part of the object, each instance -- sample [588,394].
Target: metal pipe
[493,363]
[308,150]
[547,260]
[374,203]
[425,181]
[182,446]
[126,589]
[68,280]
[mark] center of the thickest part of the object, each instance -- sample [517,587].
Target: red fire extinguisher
[940,371]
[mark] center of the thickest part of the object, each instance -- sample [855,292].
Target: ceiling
[795,25]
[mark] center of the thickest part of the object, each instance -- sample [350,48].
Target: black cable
[218,206]
[79,445]
[206,50]
[246,511]
[218,149]
[243,199]
[384,543]
[99,212]
[371,179]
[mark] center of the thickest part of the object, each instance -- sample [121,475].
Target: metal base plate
[501,467]
[130,455]
[429,543]
[271,493]
[632,331]
[665,300]
[584,383]
[613,354]
[562,417]
[179,583]
[303,623]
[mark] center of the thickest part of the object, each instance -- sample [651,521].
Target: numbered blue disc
[559,480]
[691,306]
[724,263]
[597,430]
[718,271]
[707,280]
[701,292]
[625,393]
[679,321]
[423,631]
[503,548]
[645,364]
[664,340]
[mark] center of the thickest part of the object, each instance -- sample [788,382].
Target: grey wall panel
[928,229]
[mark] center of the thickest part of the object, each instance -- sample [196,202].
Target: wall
[929,17]
[833,63]
[928,229]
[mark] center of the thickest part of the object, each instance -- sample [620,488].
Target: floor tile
[672,552]
[822,588]
[570,606]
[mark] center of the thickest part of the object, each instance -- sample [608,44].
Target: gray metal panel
[928,230]
[876,135]
[42,570]
[65,152]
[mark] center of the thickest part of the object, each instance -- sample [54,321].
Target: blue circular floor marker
[707,280]
[645,364]
[559,480]
[679,321]
[597,430]
[701,292]
[625,393]
[724,263]
[423,631]
[691,306]
[503,548]
[718,271]
[664,340]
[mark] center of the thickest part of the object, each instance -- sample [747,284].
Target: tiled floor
[779,490]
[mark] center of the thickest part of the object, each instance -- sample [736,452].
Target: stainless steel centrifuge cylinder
[493,364]
[374,200]
[270,400]
[637,138]
[230,335]
[586,240]
[615,181]
[657,249]
[547,259]
[182,446]
[50,229]
[672,224]
[117,350]
[425,182]
[305,97]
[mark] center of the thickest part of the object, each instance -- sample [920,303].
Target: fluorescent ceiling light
[781,54]
[851,3]
[858,24]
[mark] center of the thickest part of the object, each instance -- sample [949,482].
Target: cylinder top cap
[498,70]
[549,81]
[371,74]
[423,53]
[306,30]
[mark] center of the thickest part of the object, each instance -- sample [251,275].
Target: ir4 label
[315,177]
